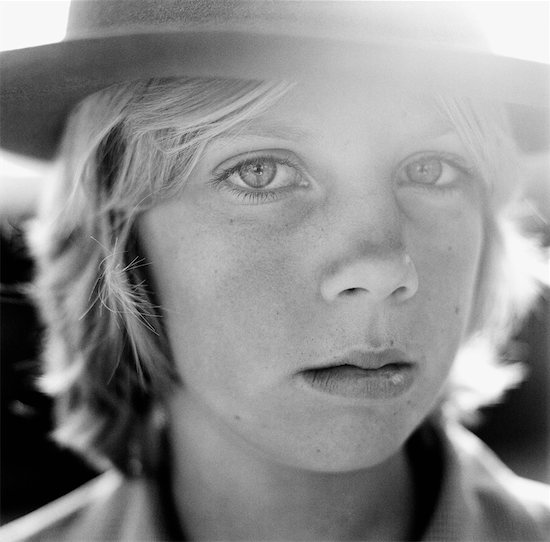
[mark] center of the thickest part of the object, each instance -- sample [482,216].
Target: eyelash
[220,180]
[249,196]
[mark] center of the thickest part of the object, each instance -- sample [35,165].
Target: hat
[419,45]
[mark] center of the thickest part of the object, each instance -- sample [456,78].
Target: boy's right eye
[259,177]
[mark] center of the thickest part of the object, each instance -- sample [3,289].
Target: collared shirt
[477,499]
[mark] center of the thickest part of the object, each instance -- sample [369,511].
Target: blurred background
[34,471]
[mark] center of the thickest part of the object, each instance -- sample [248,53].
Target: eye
[264,177]
[262,172]
[436,170]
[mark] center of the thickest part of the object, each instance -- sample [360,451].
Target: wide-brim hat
[419,45]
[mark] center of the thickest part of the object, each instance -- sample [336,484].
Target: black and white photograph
[275,270]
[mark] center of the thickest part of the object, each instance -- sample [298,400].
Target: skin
[354,254]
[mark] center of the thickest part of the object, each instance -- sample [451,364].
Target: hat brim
[40,85]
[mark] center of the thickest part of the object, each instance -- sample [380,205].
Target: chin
[345,447]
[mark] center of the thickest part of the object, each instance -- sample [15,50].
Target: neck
[225,489]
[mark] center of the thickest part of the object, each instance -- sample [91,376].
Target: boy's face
[317,274]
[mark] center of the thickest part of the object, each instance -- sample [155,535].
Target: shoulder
[61,516]
[110,507]
[500,504]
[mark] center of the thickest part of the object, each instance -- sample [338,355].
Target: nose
[367,253]
[390,276]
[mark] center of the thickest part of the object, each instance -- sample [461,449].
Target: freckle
[237,417]
[449,248]
[392,342]
[457,309]
[318,450]
[231,221]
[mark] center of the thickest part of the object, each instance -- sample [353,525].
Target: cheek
[225,285]
[448,262]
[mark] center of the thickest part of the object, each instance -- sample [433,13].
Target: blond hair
[125,148]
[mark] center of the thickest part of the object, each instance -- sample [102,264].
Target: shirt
[476,498]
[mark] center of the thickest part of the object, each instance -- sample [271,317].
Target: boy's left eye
[432,170]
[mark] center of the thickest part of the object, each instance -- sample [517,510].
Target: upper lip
[367,359]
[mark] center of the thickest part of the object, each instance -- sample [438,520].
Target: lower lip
[387,382]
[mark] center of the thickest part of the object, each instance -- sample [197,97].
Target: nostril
[401,291]
[352,291]
[398,293]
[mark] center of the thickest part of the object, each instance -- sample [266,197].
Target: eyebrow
[266,128]
[271,128]
[438,128]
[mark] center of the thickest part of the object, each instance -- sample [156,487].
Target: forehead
[344,108]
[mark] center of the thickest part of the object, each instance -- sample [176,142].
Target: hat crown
[420,46]
[418,22]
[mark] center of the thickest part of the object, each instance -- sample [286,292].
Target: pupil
[425,171]
[258,174]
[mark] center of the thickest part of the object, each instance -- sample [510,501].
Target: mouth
[363,374]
